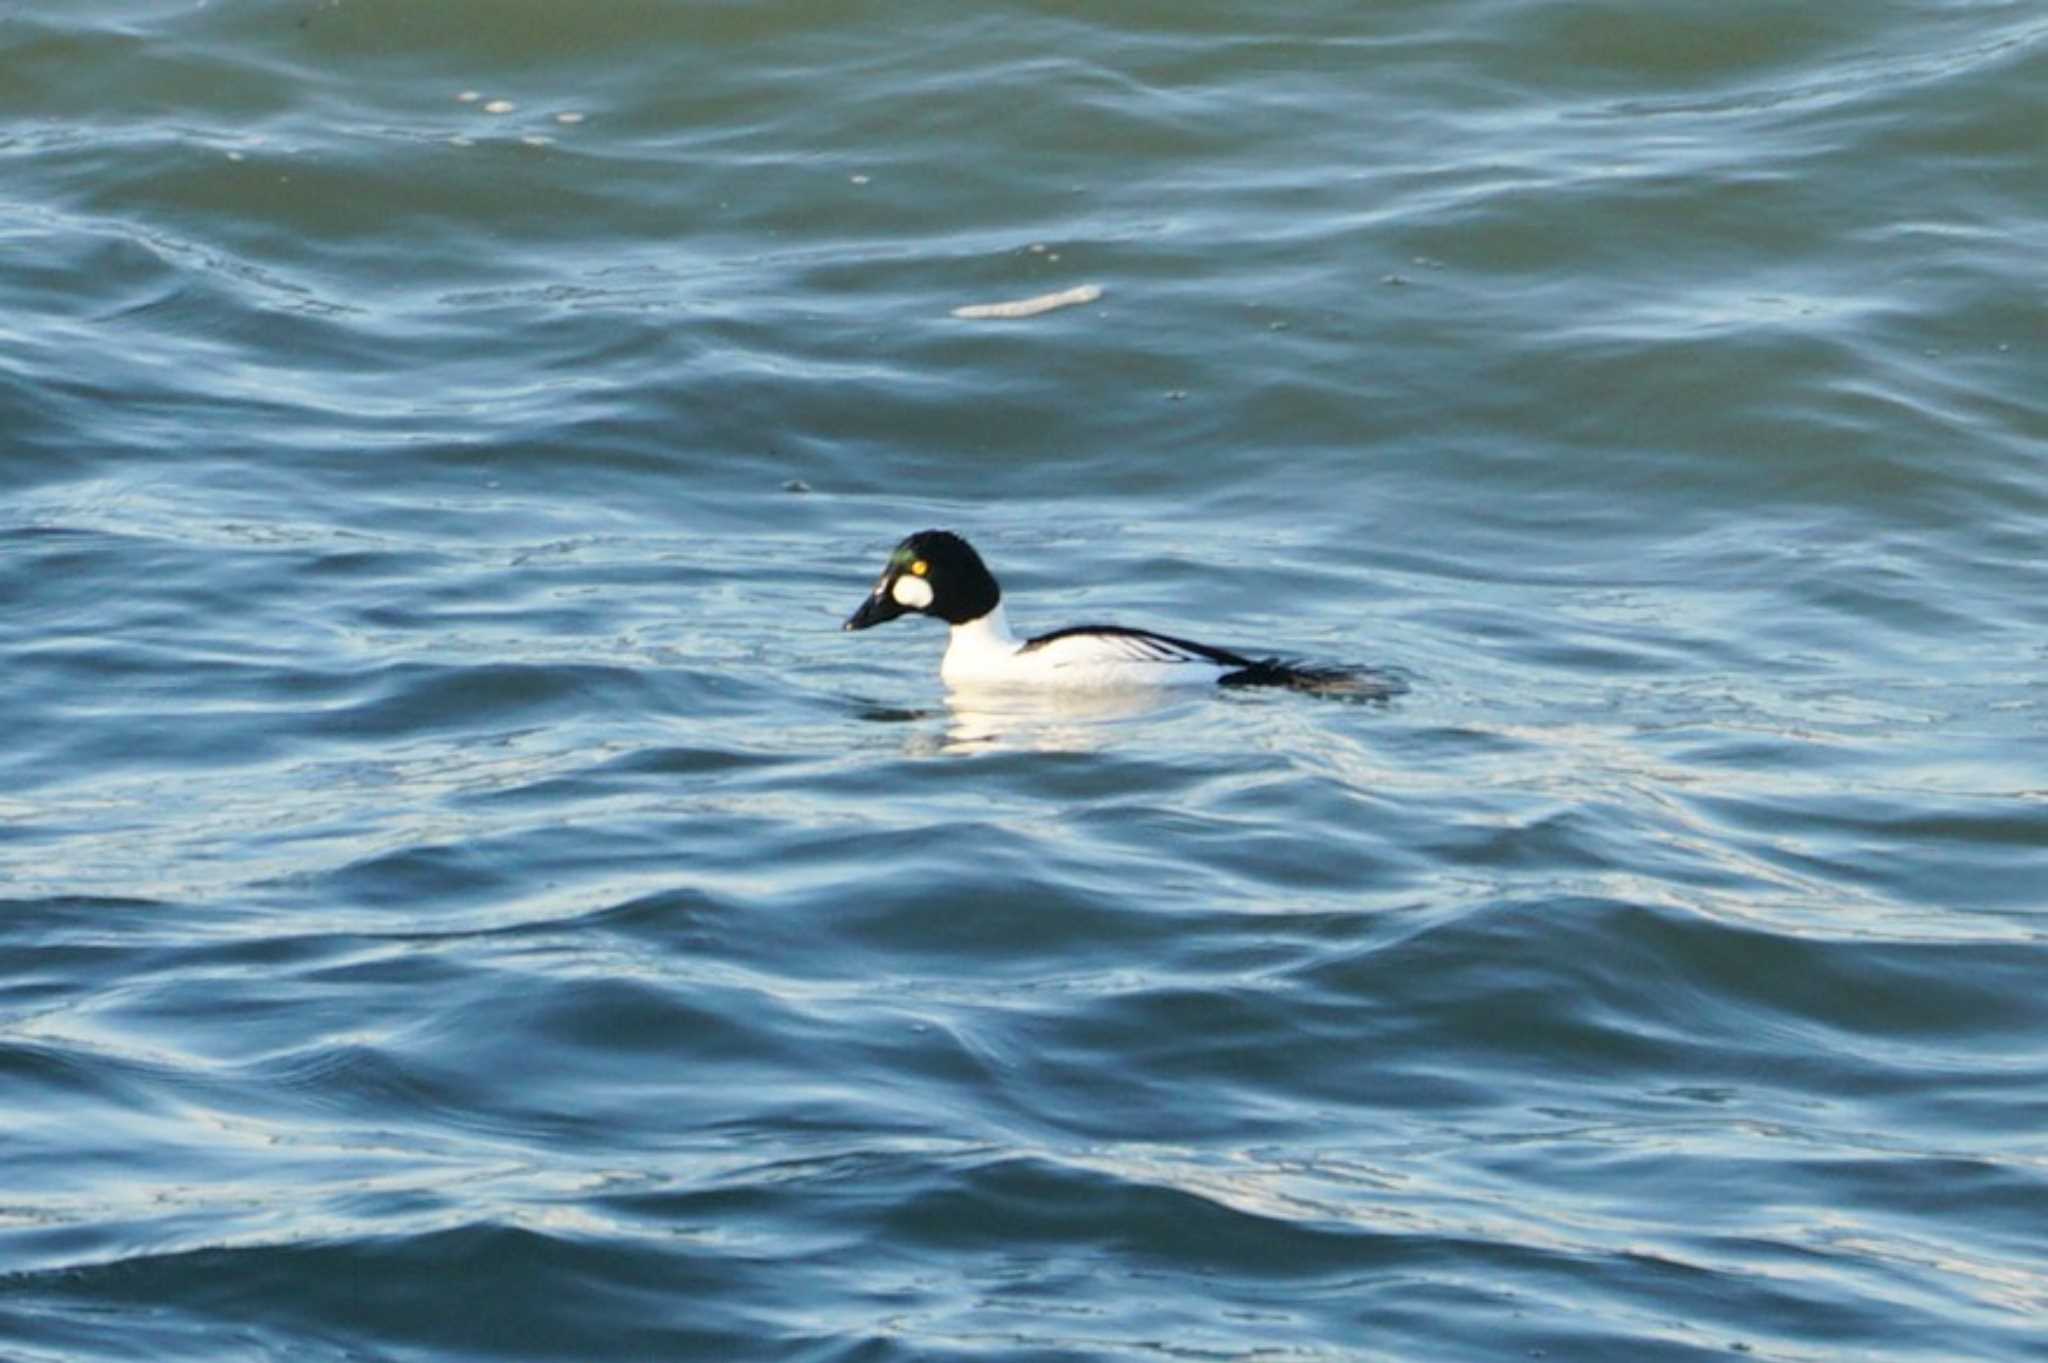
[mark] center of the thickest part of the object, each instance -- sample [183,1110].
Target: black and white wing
[1088,645]
[1115,649]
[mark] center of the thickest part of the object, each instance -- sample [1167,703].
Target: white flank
[1031,307]
[984,653]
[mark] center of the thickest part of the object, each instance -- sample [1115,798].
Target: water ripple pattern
[462,897]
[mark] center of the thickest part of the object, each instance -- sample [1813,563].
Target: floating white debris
[500,106]
[536,139]
[570,117]
[469,96]
[234,156]
[1031,307]
[858,179]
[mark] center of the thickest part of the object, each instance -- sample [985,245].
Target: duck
[938,573]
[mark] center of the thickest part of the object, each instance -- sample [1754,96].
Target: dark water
[461,897]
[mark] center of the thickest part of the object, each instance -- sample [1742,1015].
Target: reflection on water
[1040,719]
[992,717]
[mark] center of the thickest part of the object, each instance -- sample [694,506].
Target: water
[464,898]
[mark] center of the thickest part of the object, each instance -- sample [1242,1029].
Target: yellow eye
[920,567]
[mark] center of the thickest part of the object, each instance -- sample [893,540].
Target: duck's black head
[933,572]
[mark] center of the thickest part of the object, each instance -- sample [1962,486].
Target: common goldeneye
[935,572]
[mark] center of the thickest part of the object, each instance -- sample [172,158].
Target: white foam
[1031,307]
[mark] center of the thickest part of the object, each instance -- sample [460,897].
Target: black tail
[1357,682]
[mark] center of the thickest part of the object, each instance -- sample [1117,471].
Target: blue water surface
[462,897]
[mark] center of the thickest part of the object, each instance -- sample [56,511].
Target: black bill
[877,609]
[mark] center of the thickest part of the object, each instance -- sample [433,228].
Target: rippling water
[462,897]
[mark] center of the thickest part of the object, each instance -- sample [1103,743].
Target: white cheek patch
[912,593]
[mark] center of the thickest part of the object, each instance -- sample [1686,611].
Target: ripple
[452,855]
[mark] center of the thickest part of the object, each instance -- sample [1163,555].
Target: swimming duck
[937,573]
